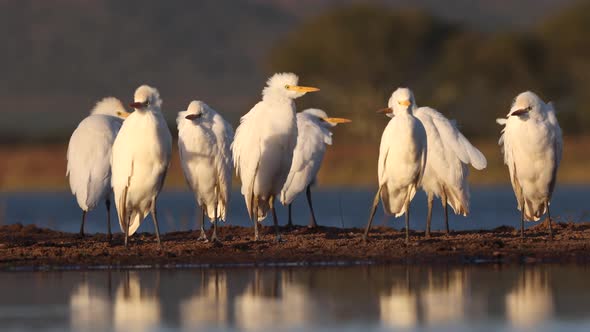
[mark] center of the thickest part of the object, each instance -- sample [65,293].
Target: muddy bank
[30,246]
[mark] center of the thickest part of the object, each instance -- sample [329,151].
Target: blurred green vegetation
[359,54]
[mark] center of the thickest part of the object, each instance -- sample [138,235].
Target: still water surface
[475,298]
[348,207]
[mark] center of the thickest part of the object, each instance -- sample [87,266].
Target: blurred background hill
[467,58]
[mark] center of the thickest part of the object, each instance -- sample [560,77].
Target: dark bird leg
[429,214]
[446,208]
[155,218]
[214,235]
[203,236]
[109,234]
[408,223]
[372,214]
[255,219]
[82,224]
[549,221]
[522,222]
[312,223]
[274,218]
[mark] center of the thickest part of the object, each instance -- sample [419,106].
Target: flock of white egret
[277,153]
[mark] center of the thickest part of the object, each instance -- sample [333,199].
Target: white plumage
[532,145]
[402,158]
[264,143]
[141,155]
[204,140]
[313,126]
[89,156]
[446,172]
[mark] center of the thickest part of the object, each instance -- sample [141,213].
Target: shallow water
[348,207]
[482,298]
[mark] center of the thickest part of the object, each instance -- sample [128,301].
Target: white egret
[141,155]
[313,134]
[402,159]
[447,164]
[264,143]
[532,145]
[204,140]
[89,157]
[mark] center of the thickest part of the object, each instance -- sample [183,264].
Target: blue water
[490,207]
[375,298]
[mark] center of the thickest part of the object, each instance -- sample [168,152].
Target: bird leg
[123,215]
[214,238]
[255,219]
[203,236]
[312,221]
[408,222]
[549,221]
[155,218]
[446,208]
[290,222]
[82,224]
[372,214]
[522,223]
[274,218]
[109,234]
[127,221]
[429,214]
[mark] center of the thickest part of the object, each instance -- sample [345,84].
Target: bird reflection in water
[90,308]
[210,306]
[272,299]
[413,301]
[300,298]
[530,303]
[135,308]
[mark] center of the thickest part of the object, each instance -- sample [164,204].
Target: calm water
[532,298]
[490,207]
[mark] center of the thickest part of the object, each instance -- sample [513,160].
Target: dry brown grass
[43,167]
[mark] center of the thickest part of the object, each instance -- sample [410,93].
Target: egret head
[197,110]
[110,106]
[401,101]
[525,104]
[146,98]
[322,118]
[285,85]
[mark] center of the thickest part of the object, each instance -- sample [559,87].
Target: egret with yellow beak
[263,146]
[313,126]
[402,159]
[141,155]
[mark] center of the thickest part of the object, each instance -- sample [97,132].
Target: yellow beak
[337,120]
[405,103]
[385,110]
[303,89]
[124,115]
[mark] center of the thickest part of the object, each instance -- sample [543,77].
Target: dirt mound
[30,246]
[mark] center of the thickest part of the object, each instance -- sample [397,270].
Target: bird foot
[214,238]
[203,237]
[279,239]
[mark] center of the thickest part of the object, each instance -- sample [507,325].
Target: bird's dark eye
[287,86]
[529,108]
[147,102]
[118,113]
